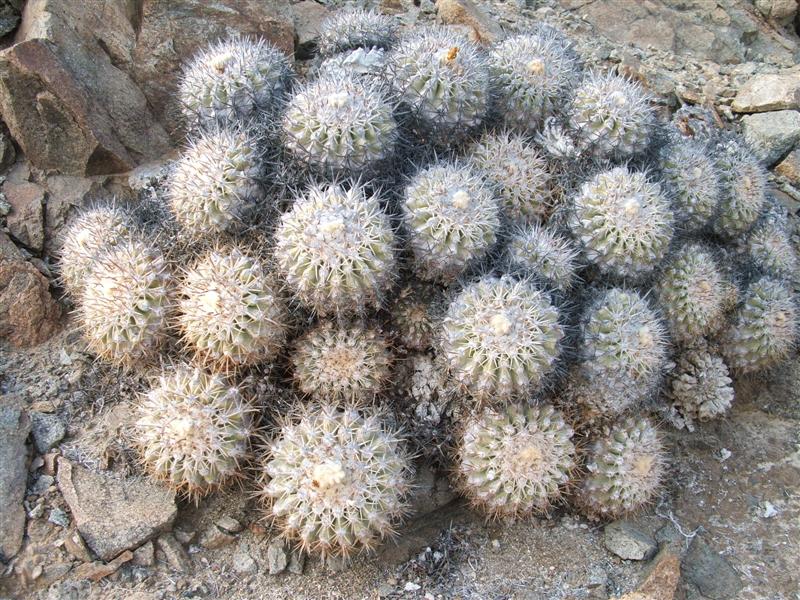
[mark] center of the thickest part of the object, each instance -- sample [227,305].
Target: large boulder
[64,92]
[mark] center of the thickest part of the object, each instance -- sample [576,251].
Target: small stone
[789,167]
[48,430]
[58,517]
[229,524]
[662,579]
[711,573]
[297,562]
[145,556]
[410,586]
[174,554]
[385,590]
[243,563]
[14,428]
[466,12]
[76,547]
[628,542]
[277,559]
[213,537]
[772,135]
[335,564]
[183,536]
[764,93]
[97,570]
[42,485]
[26,219]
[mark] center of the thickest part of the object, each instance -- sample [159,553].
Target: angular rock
[243,563]
[48,430]
[145,555]
[308,16]
[789,167]
[9,15]
[277,557]
[782,12]
[175,555]
[171,31]
[7,151]
[712,574]
[297,562]
[628,542]
[662,579]
[65,99]
[28,313]
[26,219]
[97,570]
[433,491]
[764,93]
[14,428]
[8,249]
[213,537]
[772,135]
[467,12]
[75,545]
[111,514]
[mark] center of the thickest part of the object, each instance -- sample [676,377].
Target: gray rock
[432,492]
[145,555]
[213,537]
[7,151]
[113,514]
[9,15]
[628,542]
[774,91]
[58,517]
[174,554]
[277,557]
[28,313]
[42,484]
[26,219]
[243,563]
[335,564]
[712,574]
[297,562]
[229,524]
[14,428]
[48,430]
[782,12]
[772,135]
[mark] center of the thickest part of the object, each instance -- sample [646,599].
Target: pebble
[145,556]
[58,517]
[277,558]
[410,586]
[243,563]
[174,554]
[47,431]
[42,485]
[297,562]
[628,542]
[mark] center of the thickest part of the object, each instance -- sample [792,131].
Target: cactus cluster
[394,245]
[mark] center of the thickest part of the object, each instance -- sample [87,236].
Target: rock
[782,12]
[213,537]
[26,219]
[64,97]
[764,93]
[772,135]
[335,564]
[77,547]
[114,515]
[466,12]
[242,562]
[14,428]
[58,517]
[432,492]
[308,16]
[174,554]
[7,151]
[9,15]
[277,557]
[297,562]
[28,313]
[8,249]
[171,31]
[662,579]
[48,430]
[628,542]
[789,167]
[42,484]
[97,570]
[145,555]
[712,574]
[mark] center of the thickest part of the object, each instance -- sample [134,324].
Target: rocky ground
[86,98]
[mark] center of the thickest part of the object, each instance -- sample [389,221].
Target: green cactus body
[193,431]
[744,190]
[452,217]
[544,254]
[336,480]
[770,249]
[126,303]
[500,339]
[334,363]
[355,29]
[516,460]
[691,178]
[625,468]
[230,312]
[335,248]
[623,221]
[700,387]
[415,315]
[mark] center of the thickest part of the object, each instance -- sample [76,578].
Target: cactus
[415,314]
[519,173]
[771,251]
[443,79]
[764,328]
[558,141]
[216,182]
[340,124]
[694,294]
[534,72]
[233,81]
[542,253]
[624,355]
[230,311]
[516,460]
[700,387]
[500,338]
[87,236]
[193,431]
[361,61]
[335,248]
[354,29]
[126,303]
[333,363]
[744,184]
[336,479]
[691,179]
[613,115]
[625,468]
[452,218]
[623,221]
